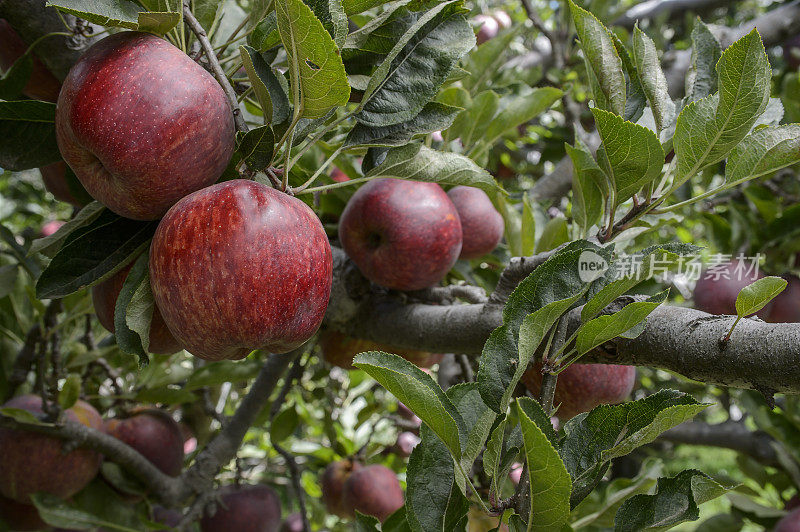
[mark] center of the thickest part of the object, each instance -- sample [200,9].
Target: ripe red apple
[253,508]
[20,516]
[104,297]
[51,227]
[489,28]
[785,308]
[582,387]
[789,523]
[332,482]
[340,350]
[42,85]
[240,266]
[481,224]
[503,19]
[31,462]
[716,294]
[54,177]
[293,523]
[401,234]
[339,176]
[155,435]
[791,52]
[373,490]
[142,125]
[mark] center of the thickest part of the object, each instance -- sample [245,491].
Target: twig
[466,368]
[213,62]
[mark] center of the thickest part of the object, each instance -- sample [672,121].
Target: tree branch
[729,435]
[674,8]
[213,62]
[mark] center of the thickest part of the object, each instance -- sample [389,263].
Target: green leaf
[756,295]
[256,147]
[133,311]
[50,245]
[19,252]
[93,253]
[708,129]
[216,373]
[420,163]
[472,123]
[13,81]
[433,498]
[166,396]
[265,35]
[478,419]
[70,391]
[283,425]
[550,485]
[520,109]
[418,391]
[763,152]
[119,13]
[267,87]
[554,233]
[396,522]
[433,117]
[631,155]
[635,99]
[532,309]
[157,22]
[603,64]
[354,7]
[420,61]
[527,228]
[701,79]
[97,505]
[484,61]
[315,64]
[365,523]
[587,195]
[21,415]
[333,18]
[611,431]
[607,327]
[28,131]
[8,279]
[205,11]
[676,501]
[652,77]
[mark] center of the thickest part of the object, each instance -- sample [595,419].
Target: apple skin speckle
[142,125]
[240,266]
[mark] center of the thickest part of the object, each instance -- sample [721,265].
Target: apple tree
[411,265]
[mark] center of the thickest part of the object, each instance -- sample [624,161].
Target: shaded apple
[31,462]
[436,136]
[481,225]
[789,522]
[51,227]
[488,28]
[401,234]
[154,434]
[142,125]
[373,490]
[57,183]
[406,441]
[244,508]
[169,517]
[339,176]
[240,266]
[104,297]
[785,308]
[42,84]
[340,350]
[19,516]
[503,19]
[793,502]
[716,290]
[332,483]
[581,387]
[293,523]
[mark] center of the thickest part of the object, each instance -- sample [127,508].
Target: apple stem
[216,69]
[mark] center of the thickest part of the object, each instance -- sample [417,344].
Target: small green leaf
[763,152]
[216,373]
[121,14]
[652,77]
[528,228]
[520,109]
[701,79]
[257,147]
[675,501]
[472,123]
[283,425]
[267,87]
[13,81]
[756,295]
[28,131]
[589,188]
[141,312]
[157,22]
[21,416]
[478,419]
[418,391]
[433,117]
[49,245]
[95,506]
[554,233]
[550,485]
[70,391]
[265,35]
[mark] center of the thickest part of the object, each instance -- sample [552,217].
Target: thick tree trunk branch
[729,435]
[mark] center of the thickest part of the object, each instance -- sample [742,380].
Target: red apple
[240,266]
[503,19]
[489,28]
[373,490]
[793,502]
[581,387]
[51,227]
[789,522]
[155,435]
[481,224]
[20,516]
[104,297]
[717,288]
[56,182]
[244,509]
[406,413]
[42,85]
[785,308]
[516,473]
[339,176]
[142,125]
[401,234]
[32,462]
[340,350]
[332,482]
